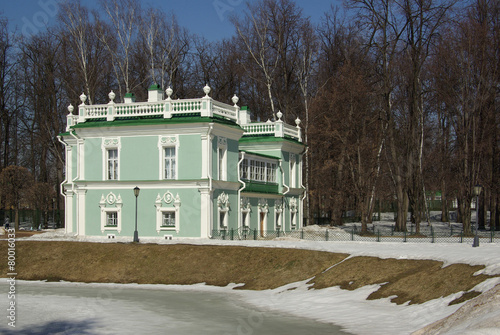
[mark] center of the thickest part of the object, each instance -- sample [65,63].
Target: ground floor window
[222,219]
[168,219]
[112,219]
[167,212]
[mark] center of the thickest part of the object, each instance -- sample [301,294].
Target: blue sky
[207,18]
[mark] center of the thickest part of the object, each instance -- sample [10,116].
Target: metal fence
[426,235]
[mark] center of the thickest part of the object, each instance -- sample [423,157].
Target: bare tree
[119,38]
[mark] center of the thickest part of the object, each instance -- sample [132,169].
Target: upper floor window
[111,158]
[222,158]
[258,169]
[170,163]
[112,164]
[293,171]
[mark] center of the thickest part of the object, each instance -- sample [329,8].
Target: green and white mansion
[202,167]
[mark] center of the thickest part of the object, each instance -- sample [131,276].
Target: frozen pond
[54,308]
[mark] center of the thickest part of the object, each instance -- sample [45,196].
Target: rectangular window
[278,219]
[112,164]
[170,163]
[293,173]
[222,219]
[168,219]
[261,171]
[222,163]
[271,173]
[244,169]
[244,218]
[112,219]
[253,170]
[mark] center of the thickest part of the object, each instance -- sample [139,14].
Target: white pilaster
[80,212]
[206,213]
[68,213]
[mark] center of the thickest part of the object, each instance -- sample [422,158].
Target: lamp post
[477,192]
[136,233]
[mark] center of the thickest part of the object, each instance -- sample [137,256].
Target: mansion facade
[202,167]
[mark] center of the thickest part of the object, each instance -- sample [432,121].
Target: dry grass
[258,268]
[416,281]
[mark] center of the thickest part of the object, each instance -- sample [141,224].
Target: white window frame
[223,207]
[222,158]
[109,204]
[165,142]
[161,208]
[223,218]
[170,173]
[107,145]
[258,169]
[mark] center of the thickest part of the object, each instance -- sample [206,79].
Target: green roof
[153,120]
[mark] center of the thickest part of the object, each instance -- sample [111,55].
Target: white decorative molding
[111,198]
[111,203]
[278,205]
[174,205]
[263,206]
[168,197]
[221,141]
[223,201]
[168,140]
[293,205]
[245,204]
[110,142]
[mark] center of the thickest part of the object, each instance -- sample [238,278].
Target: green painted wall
[139,153]
[146,212]
[189,157]
[93,159]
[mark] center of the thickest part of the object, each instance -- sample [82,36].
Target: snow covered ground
[350,309]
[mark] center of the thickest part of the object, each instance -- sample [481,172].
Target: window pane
[168,219]
[112,164]
[111,218]
[170,163]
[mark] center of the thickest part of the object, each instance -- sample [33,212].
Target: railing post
[255,234]
[231,234]
[277,232]
[302,234]
[378,235]
[404,239]
[326,235]
[432,235]
[352,234]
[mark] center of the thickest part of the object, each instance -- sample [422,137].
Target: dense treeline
[398,99]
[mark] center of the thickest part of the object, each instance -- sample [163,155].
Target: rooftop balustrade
[157,106]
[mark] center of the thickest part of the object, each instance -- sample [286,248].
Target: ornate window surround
[246,208]
[111,203]
[110,143]
[163,143]
[221,158]
[278,213]
[171,205]
[223,207]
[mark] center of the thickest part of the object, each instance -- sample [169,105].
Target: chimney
[155,93]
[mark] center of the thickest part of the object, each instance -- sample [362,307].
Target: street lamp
[136,233]
[477,192]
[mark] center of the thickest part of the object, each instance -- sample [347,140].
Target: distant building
[201,165]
